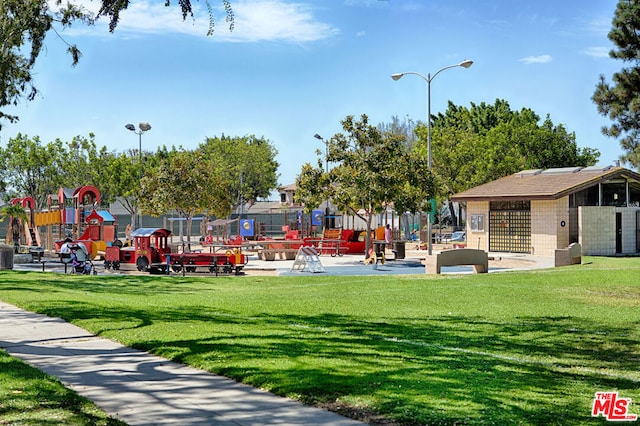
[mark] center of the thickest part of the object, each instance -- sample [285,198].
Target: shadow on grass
[437,370]
[443,370]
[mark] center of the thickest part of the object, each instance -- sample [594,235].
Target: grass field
[506,348]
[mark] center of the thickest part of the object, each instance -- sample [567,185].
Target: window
[477,223]
[510,226]
[510,231]
[510,205]
[586,197]
[614,194]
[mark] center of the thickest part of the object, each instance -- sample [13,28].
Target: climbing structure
[71,213]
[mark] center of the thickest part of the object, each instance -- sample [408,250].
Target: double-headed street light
[464,64]
[144,127]
[326,166]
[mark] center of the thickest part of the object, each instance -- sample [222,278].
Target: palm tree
[18,214]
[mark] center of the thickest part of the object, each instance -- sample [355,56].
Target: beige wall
[547,232]
[598,230]
[478,239]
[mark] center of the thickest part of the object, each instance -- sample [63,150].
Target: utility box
[6,256]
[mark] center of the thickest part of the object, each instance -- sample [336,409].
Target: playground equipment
[71,213]
[151,253]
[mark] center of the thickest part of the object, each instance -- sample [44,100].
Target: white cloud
[275,20]
[597,51]
[254,20]
[361,33]
[541,59]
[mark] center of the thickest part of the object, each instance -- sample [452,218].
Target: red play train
[151,253]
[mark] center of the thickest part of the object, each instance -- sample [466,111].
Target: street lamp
[464,64]
[144,127]
[326,151]
[326,162]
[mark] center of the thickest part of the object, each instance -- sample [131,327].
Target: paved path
[142,389]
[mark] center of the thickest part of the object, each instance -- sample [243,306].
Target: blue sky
[291,69]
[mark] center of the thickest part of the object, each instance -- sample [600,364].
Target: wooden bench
[465,256]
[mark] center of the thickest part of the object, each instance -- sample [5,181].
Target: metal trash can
[399,249]
[6,256]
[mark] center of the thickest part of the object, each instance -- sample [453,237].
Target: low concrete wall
[571,255]
[479,259]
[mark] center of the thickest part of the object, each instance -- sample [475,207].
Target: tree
[405,128]
[246,164]
[619,101]
[112,9]
[473,146]
[31,168]
[120,177]
[24,24]
[185,183]
[17,214]
[373,170]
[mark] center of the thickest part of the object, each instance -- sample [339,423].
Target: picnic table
[279,249]
[328,246]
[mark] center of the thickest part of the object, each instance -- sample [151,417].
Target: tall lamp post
[464,64]
[326,166]
[144,127]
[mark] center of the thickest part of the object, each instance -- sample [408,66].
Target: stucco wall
[598,230]
[478,239]
[547,230]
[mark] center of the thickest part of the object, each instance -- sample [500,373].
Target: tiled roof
[544,184]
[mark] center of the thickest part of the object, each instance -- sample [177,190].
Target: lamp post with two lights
[143,127]
[464,64]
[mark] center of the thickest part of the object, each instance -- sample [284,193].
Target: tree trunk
[454,217]
[188,224]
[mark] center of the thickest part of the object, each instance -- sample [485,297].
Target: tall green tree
[246,164]
[24,24]
[372,170]
[32,168]
[620,100]
[185,183]
[405,128]
[484,142]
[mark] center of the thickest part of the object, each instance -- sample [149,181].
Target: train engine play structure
[152,253]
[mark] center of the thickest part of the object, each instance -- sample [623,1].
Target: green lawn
[505,348]
[30,397]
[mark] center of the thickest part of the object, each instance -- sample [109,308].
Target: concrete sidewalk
[142,389]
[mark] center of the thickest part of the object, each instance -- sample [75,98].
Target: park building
[540,211]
